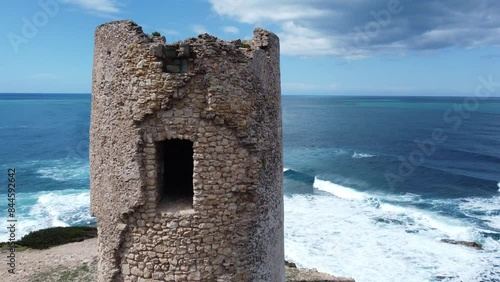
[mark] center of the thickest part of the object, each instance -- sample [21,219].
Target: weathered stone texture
[226,100]
[294,274]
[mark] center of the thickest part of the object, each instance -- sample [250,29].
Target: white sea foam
[498,184]
[403,198]
[411,216]
[486,209]
[62,209]
[285,169]
[342,236]
[338,190]
[63,170]
[357,155]
[424,221]
[51,209]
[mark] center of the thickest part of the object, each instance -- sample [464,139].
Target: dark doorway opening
[176,175]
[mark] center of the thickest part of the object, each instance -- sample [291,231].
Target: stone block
[126,269]
[157,50]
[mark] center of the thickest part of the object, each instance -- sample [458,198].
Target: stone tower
[186,157]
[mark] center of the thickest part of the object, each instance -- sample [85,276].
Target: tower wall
[225,97]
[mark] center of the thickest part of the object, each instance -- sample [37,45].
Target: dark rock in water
[464,243]
[290,264]
[389,221]
[413,231]
[444,277]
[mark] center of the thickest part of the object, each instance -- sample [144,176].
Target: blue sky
[338,47]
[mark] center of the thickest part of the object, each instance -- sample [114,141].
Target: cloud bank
[361,28]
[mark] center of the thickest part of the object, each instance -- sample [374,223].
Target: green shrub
[244,45]
[156,33]
[5,247]
[46,238]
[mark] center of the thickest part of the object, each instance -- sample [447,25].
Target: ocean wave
[485,209]
[398,209]
[303,178]
[349,193]
[425,221]
[356,155]
[13,126]
[346,238]
[338,190]
[64,170]
[61,209]
[403,198]
[285,169]
[462,175]
[51,209]
[471,154]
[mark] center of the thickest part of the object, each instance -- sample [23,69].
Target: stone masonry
[224,98]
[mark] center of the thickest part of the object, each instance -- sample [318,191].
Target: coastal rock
[294,274]
[290,264]
[464,243]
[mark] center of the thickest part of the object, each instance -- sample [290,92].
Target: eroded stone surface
[226,100]
[294,274]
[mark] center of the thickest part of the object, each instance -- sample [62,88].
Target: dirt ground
[77,262]
[70,262]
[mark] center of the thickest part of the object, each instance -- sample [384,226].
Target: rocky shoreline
[77,262]
[294,274]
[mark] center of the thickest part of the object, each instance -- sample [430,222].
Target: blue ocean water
[372,184]
[45,138]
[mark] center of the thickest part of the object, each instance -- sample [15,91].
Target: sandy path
[29,262]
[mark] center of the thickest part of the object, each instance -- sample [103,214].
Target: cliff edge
[77,262]
[311,275]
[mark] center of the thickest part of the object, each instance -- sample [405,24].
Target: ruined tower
[186,157]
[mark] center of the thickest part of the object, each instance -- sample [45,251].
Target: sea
[372,184]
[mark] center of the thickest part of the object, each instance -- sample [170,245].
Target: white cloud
[44,76]
[101,6]
[198,28]
[361,28]
[231,29]
[299,40]
[254,11]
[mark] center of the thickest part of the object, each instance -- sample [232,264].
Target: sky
[332,47]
